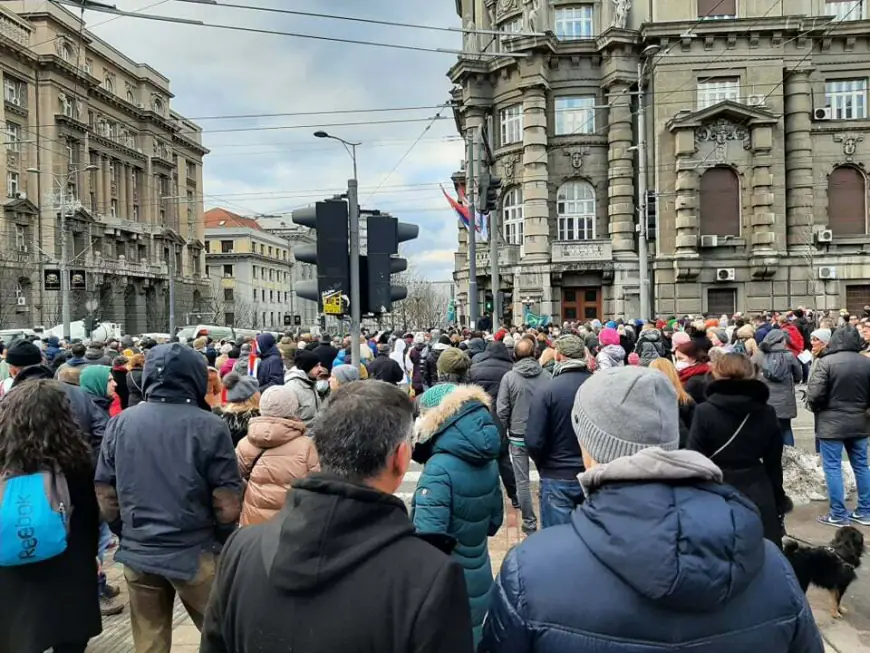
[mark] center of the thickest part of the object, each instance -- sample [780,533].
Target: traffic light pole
[471,155]
[353,232]
[493,261]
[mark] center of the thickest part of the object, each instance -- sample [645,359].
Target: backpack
[739,347]
[35,514]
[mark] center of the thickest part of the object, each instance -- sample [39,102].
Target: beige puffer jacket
[288,454]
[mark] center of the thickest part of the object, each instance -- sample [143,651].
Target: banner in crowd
[535,321]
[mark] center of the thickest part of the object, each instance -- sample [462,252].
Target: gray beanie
[721,335]
[347,373]
[623,410]
[240,388]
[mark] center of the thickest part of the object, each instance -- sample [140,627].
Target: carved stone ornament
[576,155]
[531,15]
[850,144]
[721,133]
[621,9]
[504,6]
[508,166]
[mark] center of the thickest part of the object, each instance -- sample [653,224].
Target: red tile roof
[218,218]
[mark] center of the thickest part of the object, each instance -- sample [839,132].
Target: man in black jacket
[326,353]
[550,437]
[340,568]
[383,368]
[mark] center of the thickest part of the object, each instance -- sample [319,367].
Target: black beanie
[306,360]
[23,353]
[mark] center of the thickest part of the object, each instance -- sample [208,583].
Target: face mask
[681,365]
[322,386]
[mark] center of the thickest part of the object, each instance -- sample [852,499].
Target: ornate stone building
[91,133]
[756,116]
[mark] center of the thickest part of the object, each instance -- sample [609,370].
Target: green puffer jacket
[459,492]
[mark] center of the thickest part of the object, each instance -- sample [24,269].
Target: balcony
[507,255]
[582,251]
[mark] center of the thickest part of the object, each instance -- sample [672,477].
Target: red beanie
[500,334]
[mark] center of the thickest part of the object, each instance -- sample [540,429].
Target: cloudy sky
[218,73]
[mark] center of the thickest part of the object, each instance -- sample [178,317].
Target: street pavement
[848,635]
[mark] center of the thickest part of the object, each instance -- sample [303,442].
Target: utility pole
[64,269]
[471,154]
[171,264]
[355,316]
[642,247]
[495,282]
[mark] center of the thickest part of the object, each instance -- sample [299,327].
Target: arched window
[66,51]
[847,202]
[575,206]
[109,84]
[512,216]
[158,108]
[131,98]
[720,203]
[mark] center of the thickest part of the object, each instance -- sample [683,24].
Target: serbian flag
[461,207]
[253,358]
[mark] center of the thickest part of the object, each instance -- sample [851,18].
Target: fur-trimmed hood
[458,426]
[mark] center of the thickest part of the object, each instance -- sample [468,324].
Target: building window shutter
[847,206]
[720,203]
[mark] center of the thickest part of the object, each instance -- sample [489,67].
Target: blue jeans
[103,544]
[558,500]
[832,463]
[787,433]
[520,461]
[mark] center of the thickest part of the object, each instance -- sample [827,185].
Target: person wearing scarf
[693,369]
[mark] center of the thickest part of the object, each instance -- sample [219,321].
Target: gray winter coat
[773,356]
[649,346]
[838,391]
[306,393]
[515,395]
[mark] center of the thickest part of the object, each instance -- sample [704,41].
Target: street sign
[297,320]
[332,303]
[288,319]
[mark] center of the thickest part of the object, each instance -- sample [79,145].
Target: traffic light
[288,319]
[504,305]
[329,254]
[489,190]
[384,233]
[651,214]
[487,302]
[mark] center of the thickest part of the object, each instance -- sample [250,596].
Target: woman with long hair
[738,430]
[685,403]
[134,380]
[692,363]
[52,604]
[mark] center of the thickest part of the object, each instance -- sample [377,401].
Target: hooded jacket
[418,356]
[459,493]
[610,356]
[384,368]
[306,393]
[780,371]
[322,575]
[430,372]
[275,453]
[52,347]
[515,396]
[752,463]
[97,356]
[838,390]
[167,478]
[650,345]
[675,560]
[491,368]
[476,347]
[134,386]
[270,371]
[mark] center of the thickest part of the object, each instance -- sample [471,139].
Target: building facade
[90,134]
[252,273]
[756,116]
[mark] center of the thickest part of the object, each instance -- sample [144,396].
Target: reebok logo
[24,528]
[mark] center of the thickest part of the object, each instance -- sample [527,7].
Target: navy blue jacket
[550,437]
[167,474]
[270,371]
[51,349]
[762,331]
[648,568]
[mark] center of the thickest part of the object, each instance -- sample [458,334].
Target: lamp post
[63,265]
[643,67]
[353,232]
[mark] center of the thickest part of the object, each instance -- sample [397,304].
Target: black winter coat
[55,601]
[488,370]
[339,569]
[752,463]
[134,387]
[119,374]
[236,422]
[383,368]
[430,373]
[838,391]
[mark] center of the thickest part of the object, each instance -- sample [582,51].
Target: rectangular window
[847,98]
[255,294]
[228,294]
[717,9]
[718,89]
[263,297]
[271,295]
[271,274]
[20,238]
[574,22]
[228,270]
[14,91]
[575,115]
[845,9]
[135,212]
[12,184]
[512,124]
[13,137]
[226,247]
[113,208]
[510,29]
[721,301]
[270,251]
[229,319]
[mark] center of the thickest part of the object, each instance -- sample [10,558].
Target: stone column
[763,216]
[107,185]
[123,175]
[798,159]
[129,171]
[101,188]
[686,195]
[621,172]
[536,194]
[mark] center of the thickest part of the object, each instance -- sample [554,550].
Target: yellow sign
[332,303]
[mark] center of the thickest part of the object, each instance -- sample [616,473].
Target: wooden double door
[581,304]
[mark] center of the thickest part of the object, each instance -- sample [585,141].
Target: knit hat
[721,335]
[279,401]
[679,338]
[435,395]
[306,360]
[608,336]
[822,334]
[509,341]
[240,388]
[348,373]
[570,346]
[622,410]
[453,361]
[23,353]
[444,340]
[633,358]
[610,325]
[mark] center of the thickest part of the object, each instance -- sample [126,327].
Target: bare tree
[16,280]
[425,306]
[219,303]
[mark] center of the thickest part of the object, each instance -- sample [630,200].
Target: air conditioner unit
[756,100]
[725,274]
[827,272]
[140,105]
[22,301]
[824,236]
[22,196]
[709,241]
[823,113]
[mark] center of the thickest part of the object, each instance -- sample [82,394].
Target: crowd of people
[255,479]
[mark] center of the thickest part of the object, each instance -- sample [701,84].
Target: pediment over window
[729,110]
[20,205]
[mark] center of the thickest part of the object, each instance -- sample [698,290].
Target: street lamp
[353,232]
[63,265]
[643,67]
